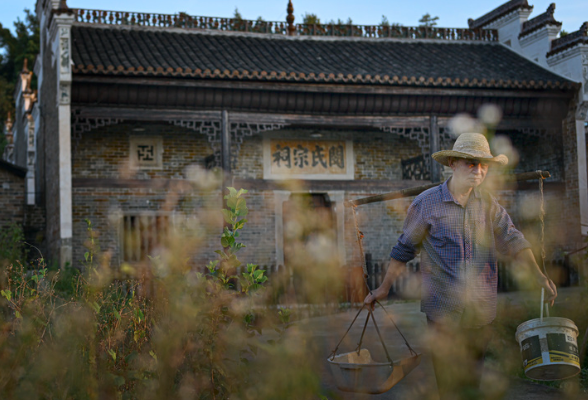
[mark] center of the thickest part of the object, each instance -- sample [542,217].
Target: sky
[451,13]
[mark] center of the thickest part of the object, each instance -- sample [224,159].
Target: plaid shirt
[458,261]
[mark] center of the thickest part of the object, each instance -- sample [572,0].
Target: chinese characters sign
[308,159]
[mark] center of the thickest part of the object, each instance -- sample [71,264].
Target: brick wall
[104,154]
[12,197]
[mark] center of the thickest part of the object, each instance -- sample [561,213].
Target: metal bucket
[355,372]
[549,348]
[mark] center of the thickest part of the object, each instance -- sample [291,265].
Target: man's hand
[527,258]
[376,294]
[395,269]
[550,289]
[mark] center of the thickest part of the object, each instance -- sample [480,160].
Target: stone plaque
[308,159]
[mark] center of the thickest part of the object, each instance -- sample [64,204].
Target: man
[458,228]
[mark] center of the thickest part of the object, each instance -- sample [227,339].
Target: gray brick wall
[12,198]
[104,154]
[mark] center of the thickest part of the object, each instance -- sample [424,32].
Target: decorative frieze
[80,125]
[242,129]
[210,128]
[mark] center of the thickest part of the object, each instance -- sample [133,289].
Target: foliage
[14,49]
[311,19]
[11,244]
[237,15]
[159,330]
[428,21]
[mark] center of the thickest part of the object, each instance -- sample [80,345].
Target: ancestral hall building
[128,103]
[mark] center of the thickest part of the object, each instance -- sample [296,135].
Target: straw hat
[470,146]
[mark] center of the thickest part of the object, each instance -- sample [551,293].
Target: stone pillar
[60,39]
[582,175]
[435,169]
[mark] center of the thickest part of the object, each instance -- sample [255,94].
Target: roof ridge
[541,20]
[214,32]
[498,12]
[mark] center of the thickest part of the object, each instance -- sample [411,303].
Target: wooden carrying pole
[524,176]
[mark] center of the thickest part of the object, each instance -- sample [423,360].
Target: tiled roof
[498,12]
[15,169]
[164,52]
[540,21]
[570,40]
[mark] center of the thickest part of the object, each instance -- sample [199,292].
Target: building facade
[134,110]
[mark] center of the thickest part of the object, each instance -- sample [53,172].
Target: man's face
[466,172]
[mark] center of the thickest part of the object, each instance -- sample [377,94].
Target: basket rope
[370,312]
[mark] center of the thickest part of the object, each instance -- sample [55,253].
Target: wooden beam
[340,121]
[415,191]
[323,87]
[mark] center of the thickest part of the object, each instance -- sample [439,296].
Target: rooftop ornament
[540,21]
[185,21]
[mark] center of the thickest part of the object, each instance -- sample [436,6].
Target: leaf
[18,314]
[138,335]
[242,212]
[112,354]
[228,216]
[95,306]
[7,294]
[242,191]
[240,224]
[224,242]
[35,278]
[86,255]
[240,204]
[152,354]
[117,314]
[232,191]
[232,202]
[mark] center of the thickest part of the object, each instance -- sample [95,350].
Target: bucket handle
[543,304]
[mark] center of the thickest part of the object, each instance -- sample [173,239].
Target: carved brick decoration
[80,125]
[240,130]
[212,129]
[419,167]
[415,168]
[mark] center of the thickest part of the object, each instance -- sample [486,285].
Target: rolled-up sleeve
[413,233]
[509,240]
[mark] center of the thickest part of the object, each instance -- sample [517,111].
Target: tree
[237,15]
[311,19]
[14,49]
[428,21]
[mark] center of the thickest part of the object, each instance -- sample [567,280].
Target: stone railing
[180,20]
[186,21]
[399,32]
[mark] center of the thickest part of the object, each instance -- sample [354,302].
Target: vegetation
[311,19]
[158,331]
[14,49]
[428,21]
